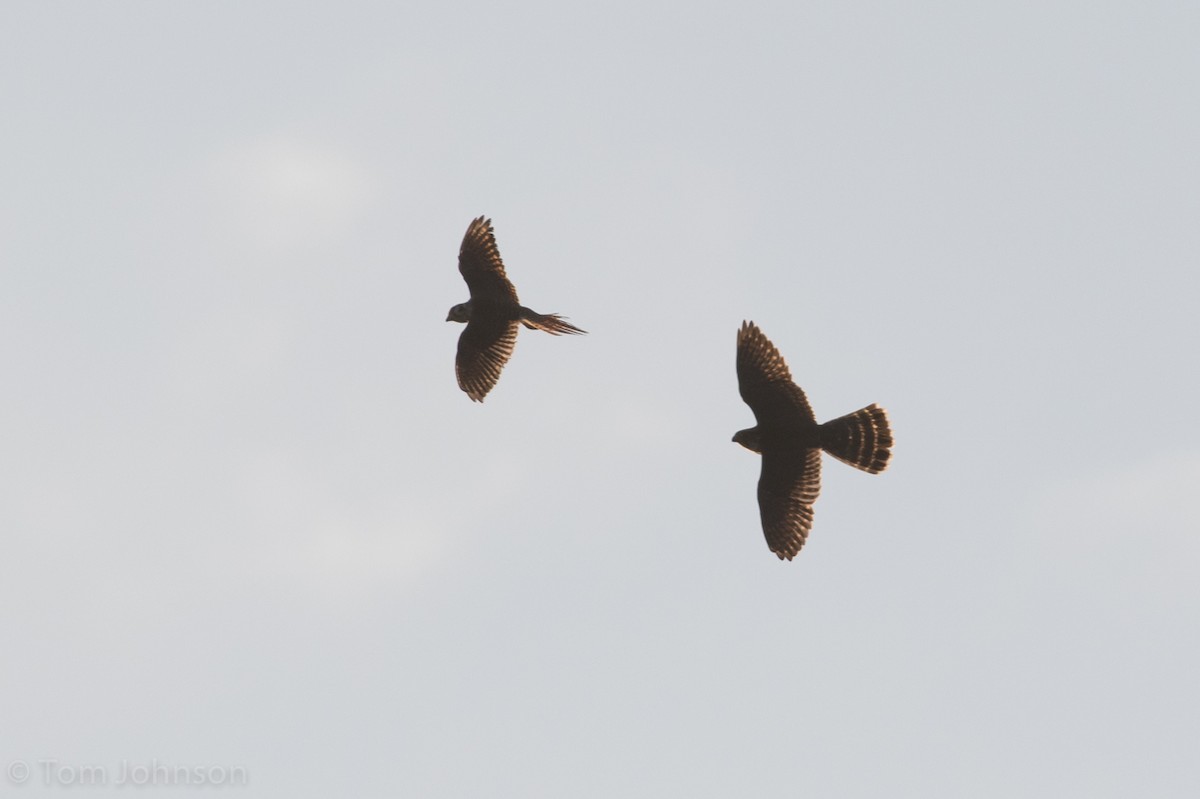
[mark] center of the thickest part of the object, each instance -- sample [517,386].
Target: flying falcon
[790,441]
[493,314]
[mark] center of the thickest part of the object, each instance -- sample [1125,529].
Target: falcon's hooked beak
[749,438]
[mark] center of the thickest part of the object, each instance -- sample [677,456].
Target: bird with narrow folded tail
[493,314]
[790,441]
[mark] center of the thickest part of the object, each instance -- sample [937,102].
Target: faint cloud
[1135,529]
[644,420]
[349,553]
[302,531]
[286,194]
[1153,494]
[229,351]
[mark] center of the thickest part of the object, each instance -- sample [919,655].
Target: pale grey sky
[249,520]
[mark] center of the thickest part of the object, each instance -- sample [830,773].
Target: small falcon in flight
[493,314]
[790,441]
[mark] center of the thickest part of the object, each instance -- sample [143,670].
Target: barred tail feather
[862,439]
[552,323]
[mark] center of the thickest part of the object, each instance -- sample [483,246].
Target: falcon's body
[790,441]
[492,315]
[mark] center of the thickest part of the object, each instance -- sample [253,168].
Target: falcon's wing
[483,348]
[764,380]
[480,264]
[787,489]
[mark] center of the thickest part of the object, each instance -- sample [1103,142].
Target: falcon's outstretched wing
[787,489]
[480,264]
[483,349]
[765,382]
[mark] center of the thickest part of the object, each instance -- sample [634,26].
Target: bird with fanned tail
[790,441]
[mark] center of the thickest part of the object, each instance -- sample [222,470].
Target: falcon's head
[750,438]
[460,312]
